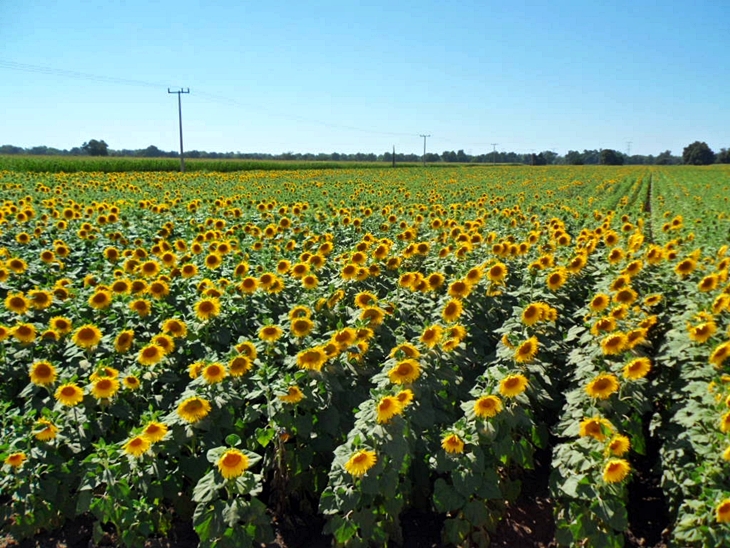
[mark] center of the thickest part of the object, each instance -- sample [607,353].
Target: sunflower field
[226,348]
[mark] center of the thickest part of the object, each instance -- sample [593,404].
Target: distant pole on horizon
[628,148]
[494,153]
[179,114]
[424,148]
[393,155]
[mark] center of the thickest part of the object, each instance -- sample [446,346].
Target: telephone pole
[179,113]
[424,148]
[494,153]
[628,149]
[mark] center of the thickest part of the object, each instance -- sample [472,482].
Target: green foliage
[698,154]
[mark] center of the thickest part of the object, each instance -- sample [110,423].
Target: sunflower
[123,341]
[293,395]
[165,341]
[42,373]
[720,354]
[60,325]
[312,359]
[137,446]
[387,408]
[45,430]
[159,289]
[69,394]
[188,270]
[214,373]
[344,338]
[527,351]
[151,354]
[175,328]
[596,427]
[104,388]
[625,295]
[335,298]
[248,349]
[365,299]
[100,300]
[725,423]
[497,273]
[141,306]
[616,470]
[452,310]
[310,281]
[618,445]
[193,409]
[149,269]
[685,267]
[405,372]
[487,406]
[637,368]
[513,385]
[301,327]
[405,350]
[15,460]
[24,332]
[131,382]
[232,463]
[138,287]
[359,463]
[435,280]
[300,311]
[459,289]
[87,336]
[248,285]
[702,332]
[239,365]
[154,431]
[431,335]
[613,344]
[531,314]
[270,333]
[452,444]
[456,331]
[207,308]
[602,386]
[708,283]
[374,315]
[556,279]
[405,397]
[16,302]
[722,511]
[18,266]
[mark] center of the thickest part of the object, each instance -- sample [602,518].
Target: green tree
[95,148]
[610,157]
[574,158]
[698,154]
[724,156]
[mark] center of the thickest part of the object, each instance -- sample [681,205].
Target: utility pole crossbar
[179,113]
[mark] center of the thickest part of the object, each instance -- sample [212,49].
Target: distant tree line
[697,153]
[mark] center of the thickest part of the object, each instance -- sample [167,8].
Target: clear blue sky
[345,76]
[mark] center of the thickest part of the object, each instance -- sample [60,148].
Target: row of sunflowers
[233,348]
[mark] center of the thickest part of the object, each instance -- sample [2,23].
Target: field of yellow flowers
[227,347]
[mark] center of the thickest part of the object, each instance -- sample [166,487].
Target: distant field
[111,164]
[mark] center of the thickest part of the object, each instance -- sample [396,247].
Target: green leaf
[264,436]
[445,498]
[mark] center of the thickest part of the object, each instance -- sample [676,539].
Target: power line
[209,97]
[494,153]
[179,113]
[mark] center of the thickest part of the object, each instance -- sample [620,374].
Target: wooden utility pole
[179,113]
